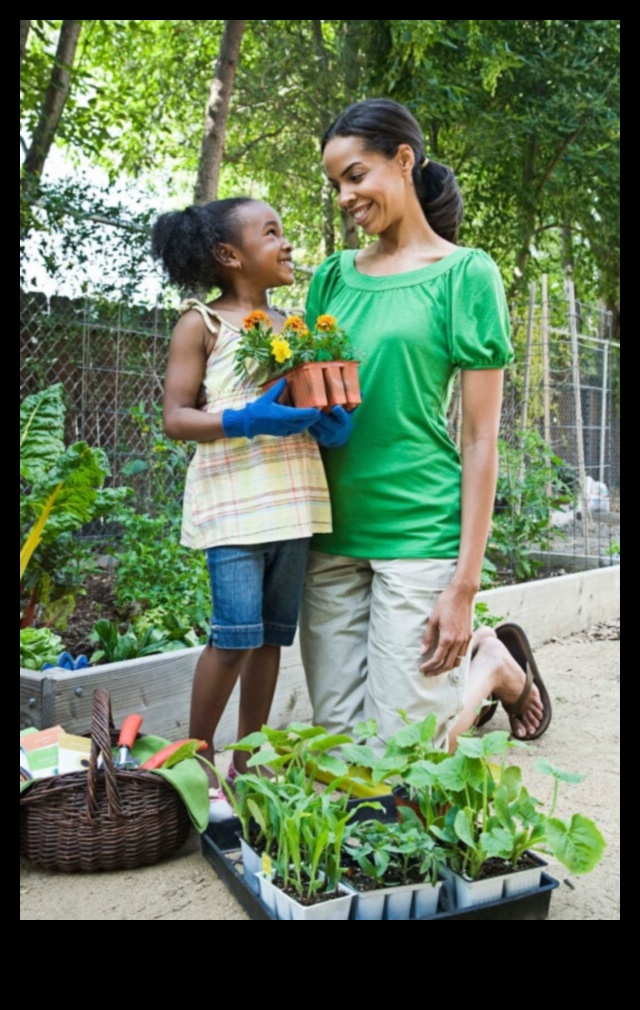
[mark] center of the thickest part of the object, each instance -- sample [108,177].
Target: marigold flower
[254,319]
[326,323]
[281,349]
[295,323]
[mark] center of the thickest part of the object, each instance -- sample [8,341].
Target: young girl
[255,489]
[388,604]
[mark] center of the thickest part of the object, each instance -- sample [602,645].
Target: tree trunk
[54,100]
[24,32]
[328,230]
[350,237]
[215,126]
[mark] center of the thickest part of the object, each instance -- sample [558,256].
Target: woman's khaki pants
[361,628]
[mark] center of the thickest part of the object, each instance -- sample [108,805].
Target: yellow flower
[295,323]
[254,319]
[281,349]
[326,323]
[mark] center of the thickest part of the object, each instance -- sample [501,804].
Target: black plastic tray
[221,848]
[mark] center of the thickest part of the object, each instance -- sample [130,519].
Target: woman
[388,604]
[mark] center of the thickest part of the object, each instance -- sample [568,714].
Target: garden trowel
[128,733]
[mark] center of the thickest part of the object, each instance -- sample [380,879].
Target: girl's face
[375,190]
[263,251]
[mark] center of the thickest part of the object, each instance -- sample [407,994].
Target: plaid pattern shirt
[249,491]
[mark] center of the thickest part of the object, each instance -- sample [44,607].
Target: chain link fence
[560,468]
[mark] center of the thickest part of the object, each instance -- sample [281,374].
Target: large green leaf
[41,431]
[577,843]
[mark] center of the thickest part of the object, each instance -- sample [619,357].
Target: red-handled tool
[128,733]
[158,759]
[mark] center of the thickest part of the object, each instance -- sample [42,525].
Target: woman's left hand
[448,633]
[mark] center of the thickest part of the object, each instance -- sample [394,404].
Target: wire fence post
[546,372]
[603,411]
[526,386]
[577,395]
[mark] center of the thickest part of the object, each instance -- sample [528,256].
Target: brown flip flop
[487,711]
[514,639]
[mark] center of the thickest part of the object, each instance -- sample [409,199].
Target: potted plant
[493,824]
[408,766]
[300,829]
[477,807]
[318,363]
[393,868]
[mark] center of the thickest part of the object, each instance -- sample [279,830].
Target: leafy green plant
[301,825]
[483,618]
[154,571]
[474,803]
[395,852]
[493,815]
[298,754]
[532,481]
[114,646]
[39,646]
[61,489]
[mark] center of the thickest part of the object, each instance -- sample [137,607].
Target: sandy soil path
[582,674]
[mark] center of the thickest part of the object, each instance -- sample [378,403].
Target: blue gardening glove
[333,430]
[267,417]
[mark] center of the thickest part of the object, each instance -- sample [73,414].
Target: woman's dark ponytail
[383,125]
[185,241]
[440,199]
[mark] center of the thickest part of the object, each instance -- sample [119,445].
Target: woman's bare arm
[191,343]
[449,628]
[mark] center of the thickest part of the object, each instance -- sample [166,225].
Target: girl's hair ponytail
[186,241]
[383,125]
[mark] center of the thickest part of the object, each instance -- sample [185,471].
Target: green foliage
[526,112]
[395,852]
[114,646]
[301,826]
[64,486]
[475,804]
[154,572]
[39,646]
[483,618]
[532,481]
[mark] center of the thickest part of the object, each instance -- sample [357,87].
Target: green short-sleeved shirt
[395,487]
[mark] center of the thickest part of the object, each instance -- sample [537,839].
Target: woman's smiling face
[370,187]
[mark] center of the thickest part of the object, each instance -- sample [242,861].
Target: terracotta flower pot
[306,385]
[322,384]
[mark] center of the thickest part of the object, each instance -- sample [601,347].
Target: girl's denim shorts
[256,591]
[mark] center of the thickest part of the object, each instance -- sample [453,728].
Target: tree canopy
[526,112]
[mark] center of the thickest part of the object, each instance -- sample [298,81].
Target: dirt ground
[582,674]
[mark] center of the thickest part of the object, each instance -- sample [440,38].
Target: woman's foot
[503,669]
[524,707]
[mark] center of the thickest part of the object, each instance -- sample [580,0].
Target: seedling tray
[221,848]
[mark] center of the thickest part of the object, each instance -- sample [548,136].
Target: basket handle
[102,726]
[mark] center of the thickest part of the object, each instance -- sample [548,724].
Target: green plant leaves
[546,768]
[577,843]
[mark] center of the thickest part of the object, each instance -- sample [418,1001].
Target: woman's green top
[395,487]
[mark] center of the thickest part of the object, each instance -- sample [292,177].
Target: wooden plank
[557,607]
[158,687]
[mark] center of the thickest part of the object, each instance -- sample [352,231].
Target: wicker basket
[101,819]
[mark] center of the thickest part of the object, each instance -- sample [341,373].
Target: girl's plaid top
[249,491]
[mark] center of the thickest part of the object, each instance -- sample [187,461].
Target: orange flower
[326,323]
[254,319]
[295,323]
